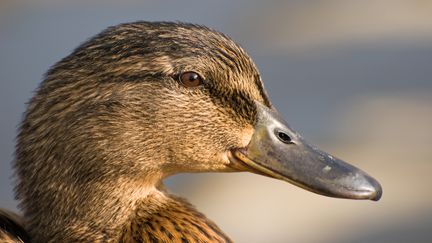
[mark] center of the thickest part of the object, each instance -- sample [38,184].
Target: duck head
[143,101]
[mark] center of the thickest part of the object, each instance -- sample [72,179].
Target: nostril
[285,138]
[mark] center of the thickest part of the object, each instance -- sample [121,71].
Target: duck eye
[190,79]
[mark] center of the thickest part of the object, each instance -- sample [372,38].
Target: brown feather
[11,228]
[171,220]
[111,120]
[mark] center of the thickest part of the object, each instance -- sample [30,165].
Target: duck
[140,102]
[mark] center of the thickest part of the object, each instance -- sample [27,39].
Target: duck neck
[92,213]
[126,214]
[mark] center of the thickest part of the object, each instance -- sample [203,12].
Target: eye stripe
[239,103]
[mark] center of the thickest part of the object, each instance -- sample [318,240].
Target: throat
[114,211]
[98,214]
[126,214]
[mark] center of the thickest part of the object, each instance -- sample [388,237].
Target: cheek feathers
[246,135]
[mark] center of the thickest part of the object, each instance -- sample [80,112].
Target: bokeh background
[354,77]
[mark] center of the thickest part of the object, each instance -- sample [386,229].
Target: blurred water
[318,87]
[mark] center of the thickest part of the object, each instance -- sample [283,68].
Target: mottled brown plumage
[111,120]
[136,104]
[173,220]
[11,229]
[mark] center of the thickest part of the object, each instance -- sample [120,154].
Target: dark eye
[283,137]
[190,79]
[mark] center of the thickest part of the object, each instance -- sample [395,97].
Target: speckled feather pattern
[173,220]
[11,230]
[111,120]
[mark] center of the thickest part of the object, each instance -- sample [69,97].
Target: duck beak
[277,151]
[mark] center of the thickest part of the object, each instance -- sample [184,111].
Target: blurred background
[354,77]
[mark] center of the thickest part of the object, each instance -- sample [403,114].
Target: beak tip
[366,188]
[374,189]
[377,194]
